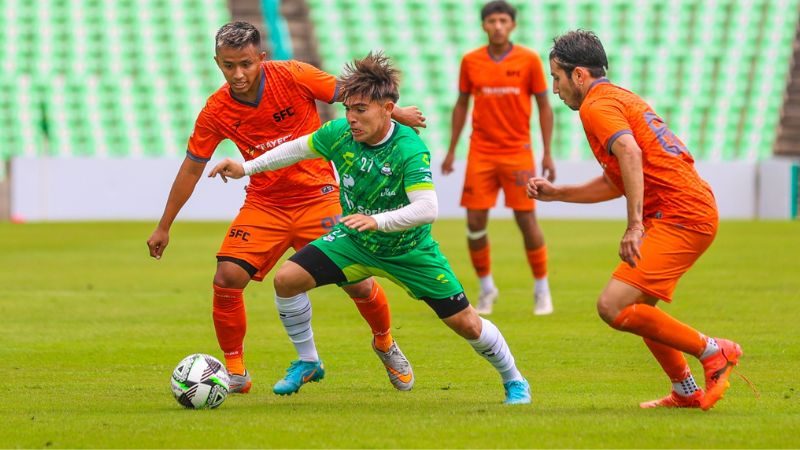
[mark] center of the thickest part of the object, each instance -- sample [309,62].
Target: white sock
[492,346]
[685,387]
[711,348]
[487,283]
[295,315]
[541,286]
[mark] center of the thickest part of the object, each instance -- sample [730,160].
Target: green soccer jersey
[376,179]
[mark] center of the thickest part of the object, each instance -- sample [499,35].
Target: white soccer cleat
[543,304]
[486,301]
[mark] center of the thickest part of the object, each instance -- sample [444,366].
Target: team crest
[386,170]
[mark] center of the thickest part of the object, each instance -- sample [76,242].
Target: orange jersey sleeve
[315,83]
[538,77]
[673,191]
[205,136]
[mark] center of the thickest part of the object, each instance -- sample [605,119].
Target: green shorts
[423,272]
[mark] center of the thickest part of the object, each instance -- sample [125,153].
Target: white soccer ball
[200,381]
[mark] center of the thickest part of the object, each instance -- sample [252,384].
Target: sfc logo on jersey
[386,170]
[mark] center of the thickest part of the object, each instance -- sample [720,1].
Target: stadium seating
[104,77]
[715,69]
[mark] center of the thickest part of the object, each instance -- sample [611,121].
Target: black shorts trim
[249,268]
[319,265]
[450,306]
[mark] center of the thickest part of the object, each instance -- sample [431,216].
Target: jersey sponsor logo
[369,212]
[269,145]
[388,193]
[283,114]
[386,170]
[513,73]
[500,90]
[329,222]
[327,189]
[240,234]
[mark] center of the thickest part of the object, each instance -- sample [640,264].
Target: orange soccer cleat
[673,400]
[718,368]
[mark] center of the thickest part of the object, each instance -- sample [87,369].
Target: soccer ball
[200,381]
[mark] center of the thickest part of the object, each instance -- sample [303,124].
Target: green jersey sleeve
[325,138]
[417,171]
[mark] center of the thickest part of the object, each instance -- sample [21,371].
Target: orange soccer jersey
[502,89]
[285,110]
[679,210]
[673,191]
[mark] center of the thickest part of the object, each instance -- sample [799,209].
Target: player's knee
[286,283]
[607,309]
[226,279]
[361,289]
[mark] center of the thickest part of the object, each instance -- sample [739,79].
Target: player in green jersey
[388,201]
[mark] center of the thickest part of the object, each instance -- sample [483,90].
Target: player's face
[498,28]
[564,87]
[369,120]
[241,68]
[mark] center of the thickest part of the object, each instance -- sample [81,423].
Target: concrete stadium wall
[60,189]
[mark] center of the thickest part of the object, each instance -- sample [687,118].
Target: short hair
[498,7]
[237,35]
[580,48]
[373,77]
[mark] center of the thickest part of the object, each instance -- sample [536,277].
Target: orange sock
[537,259]
[652,323]
[672,361]
[375,310]
[230,322]
[481,261]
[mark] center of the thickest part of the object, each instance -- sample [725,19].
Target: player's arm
[422,209]
[596,190]
[629,156]
[182,188]
[281,156]
[457,121]
[546,124]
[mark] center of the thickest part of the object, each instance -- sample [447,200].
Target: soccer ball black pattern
[200,381]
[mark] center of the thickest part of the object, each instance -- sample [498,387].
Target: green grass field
[92,328]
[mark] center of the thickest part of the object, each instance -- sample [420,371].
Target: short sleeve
[605,119]
[538,77]
[323,140]
[464,83]
[315,83]
[204,138]
[417,175]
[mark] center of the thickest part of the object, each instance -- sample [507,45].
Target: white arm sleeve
[424,208]
[281,156]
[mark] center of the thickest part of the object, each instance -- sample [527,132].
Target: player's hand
[228,168]
[548,168]
[410,116]
[629,246]
[541,189]
[158,242]
[447,164]
[360,222]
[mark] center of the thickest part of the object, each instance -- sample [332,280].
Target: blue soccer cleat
[518,392]
[298,374]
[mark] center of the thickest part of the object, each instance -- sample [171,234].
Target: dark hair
[580,48]
[373,77]
[498,6]
[237,35]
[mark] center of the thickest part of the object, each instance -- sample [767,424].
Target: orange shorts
[261,234]
[668,251]
[487,173]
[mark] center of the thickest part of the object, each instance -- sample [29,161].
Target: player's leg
[514,172]
[481,185]
[628,304]
[253,243]
[368,295]
[536,253]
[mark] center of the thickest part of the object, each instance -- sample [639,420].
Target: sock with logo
[295,315]
[230,324]
[491,345]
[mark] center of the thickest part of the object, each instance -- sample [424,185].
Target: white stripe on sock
[295,315]
[492,346]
